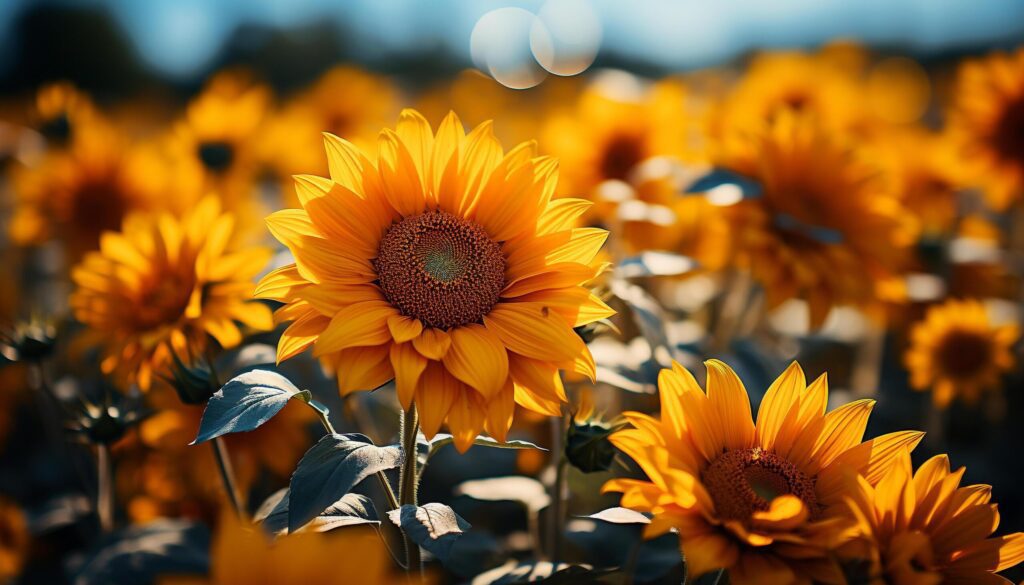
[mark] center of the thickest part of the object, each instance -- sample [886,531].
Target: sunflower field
[305,314]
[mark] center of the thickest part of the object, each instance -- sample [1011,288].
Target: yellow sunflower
[346,101]
[61,110]
[213,148]
[76,194]
[163,285]
[817,85]
[245,554]
[754,499]
[958,351]
[825,228]
[447,266]
[988,120]
[924,529]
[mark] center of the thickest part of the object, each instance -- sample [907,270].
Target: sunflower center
[164,302]
[745,481]
[1009,138]
[964,354]
[620,156]
[440,269]
[57,129]
[216,156]
[97,206]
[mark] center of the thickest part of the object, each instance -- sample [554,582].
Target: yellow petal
[534,330]
[466,419]
[408,365]
[404,328]
[344,162]
[432,343]
[399,177]
[478,358]
[777,401]
[434,397]
[500,410]
[363,368]
[728,398]
[357,325]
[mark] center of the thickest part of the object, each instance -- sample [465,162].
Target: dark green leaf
[427,449]
[245,403]
[719,177]
[141,554]
[434,527]
[620,516]
[540,572]
[330,469]
[352,509]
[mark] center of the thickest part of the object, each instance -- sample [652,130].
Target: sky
[180,37]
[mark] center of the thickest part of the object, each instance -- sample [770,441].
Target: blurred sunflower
[163,285]
[957,351]
[345,101]
[822,86]
[825,228]
[755,500]
[14,541]
[926,175]
[923,528]
[61,110]
[213,149]
[245,554]
[988,121]
[613,129]
[160,475]
[76,194]
[446,266]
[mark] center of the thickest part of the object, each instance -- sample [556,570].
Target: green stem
[557,490]
[227,474]
[408,480]
[105,488]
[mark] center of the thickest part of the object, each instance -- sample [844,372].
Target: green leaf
[434,527]
[351,510]
[330,469]
[541,572]
[246,402]
[427,449]
[141,554]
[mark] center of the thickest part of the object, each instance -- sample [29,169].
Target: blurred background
[166,73]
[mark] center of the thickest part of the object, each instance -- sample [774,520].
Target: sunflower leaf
[427,448]
[620,516]
[655,263]
[330,469]
[434,527]
[540,572]
[246,402]
[352,509]
[526,490]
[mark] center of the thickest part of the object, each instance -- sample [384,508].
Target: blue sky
[179,37]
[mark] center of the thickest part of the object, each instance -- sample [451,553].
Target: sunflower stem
[558,427]
[408,481]
[104,488]
[227,474]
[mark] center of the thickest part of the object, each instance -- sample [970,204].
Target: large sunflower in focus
[824,228]
[755,499]
[988,120]
[957,351]
[923,528]
[445,265]
[163,285]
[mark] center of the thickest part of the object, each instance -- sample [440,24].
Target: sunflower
[445,266]
[958,351]
[61,110]
[76,194]
[613,129]
[245,554]
[822,85]
[988,120]
[825,228]
[213,148]
[754,499]
[926,177]
[163,285]
[923,528]
[345,101]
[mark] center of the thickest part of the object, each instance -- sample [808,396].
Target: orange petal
[362,368]
[404,328]
[500,410]
[478,358]
[408,365]
[534,330]
[433,343]
[466,419]
[357,325]
[728,399]
[434,397]
[777,401]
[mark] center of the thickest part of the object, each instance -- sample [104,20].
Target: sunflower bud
[194,384]
[29,341]
[587,446]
